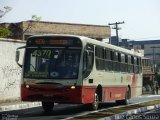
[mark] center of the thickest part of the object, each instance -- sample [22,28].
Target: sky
[141,17]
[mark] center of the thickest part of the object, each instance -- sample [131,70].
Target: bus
[75,69]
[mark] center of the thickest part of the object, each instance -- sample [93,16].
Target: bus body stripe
[81,94]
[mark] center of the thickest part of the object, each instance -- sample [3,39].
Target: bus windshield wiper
[33,67]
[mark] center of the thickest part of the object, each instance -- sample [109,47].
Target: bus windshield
[52,63]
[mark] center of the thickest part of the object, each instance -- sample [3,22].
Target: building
[114,41]
[148,74]
[22,30]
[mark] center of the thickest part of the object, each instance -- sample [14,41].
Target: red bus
[78,70]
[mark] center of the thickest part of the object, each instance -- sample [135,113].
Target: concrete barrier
[10,72]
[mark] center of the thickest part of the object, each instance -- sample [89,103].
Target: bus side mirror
[17,55]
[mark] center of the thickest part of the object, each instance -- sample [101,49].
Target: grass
[113,111]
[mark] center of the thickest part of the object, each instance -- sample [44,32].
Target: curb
[130,112]
[19,106]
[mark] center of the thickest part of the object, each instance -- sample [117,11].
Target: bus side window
[130,66]
[100,58]
[123,66]
[136,65]
[108,62]
[126,63]
[132,62]
[140,65]
[119,62]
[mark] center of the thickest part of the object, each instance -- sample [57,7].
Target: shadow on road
[59,112]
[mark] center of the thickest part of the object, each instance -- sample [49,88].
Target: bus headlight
[73,87]
[27,86]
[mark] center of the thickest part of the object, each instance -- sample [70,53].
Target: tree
[158,78]
[36,18]
[4,32]
[6,10]
[30,25]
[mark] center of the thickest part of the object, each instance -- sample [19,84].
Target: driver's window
[85,61]
[88,60]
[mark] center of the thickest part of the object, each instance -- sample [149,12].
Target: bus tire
[126,100]
[47,106]
[95,103]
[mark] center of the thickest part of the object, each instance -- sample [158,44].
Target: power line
[151,37]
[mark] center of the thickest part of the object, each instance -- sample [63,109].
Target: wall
[95,31]
[10,72]
[24,29]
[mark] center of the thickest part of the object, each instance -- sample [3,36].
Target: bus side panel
[88,94]
[136,85]
[109,93]
[113,93]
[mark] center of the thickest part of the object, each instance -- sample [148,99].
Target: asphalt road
[149,115]
[62,111]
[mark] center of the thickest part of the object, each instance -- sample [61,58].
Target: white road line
[106,109]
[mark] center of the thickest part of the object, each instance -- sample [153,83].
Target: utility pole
[116,28]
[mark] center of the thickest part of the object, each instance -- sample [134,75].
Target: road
[63,111]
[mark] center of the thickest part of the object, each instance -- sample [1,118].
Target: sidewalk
[17,105]
[150,92]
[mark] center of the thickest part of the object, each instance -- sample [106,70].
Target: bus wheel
[126,100]
[127,96]
[47,106]
[95,103]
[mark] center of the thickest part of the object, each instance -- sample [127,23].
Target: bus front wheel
[95,103]
[47,106]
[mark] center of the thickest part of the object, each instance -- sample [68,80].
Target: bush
[158,79]
[4,32]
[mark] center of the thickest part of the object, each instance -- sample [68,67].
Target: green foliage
[36,18]
[158,78]
[6,10]
[4,32]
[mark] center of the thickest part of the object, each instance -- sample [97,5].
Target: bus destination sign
[53,42]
